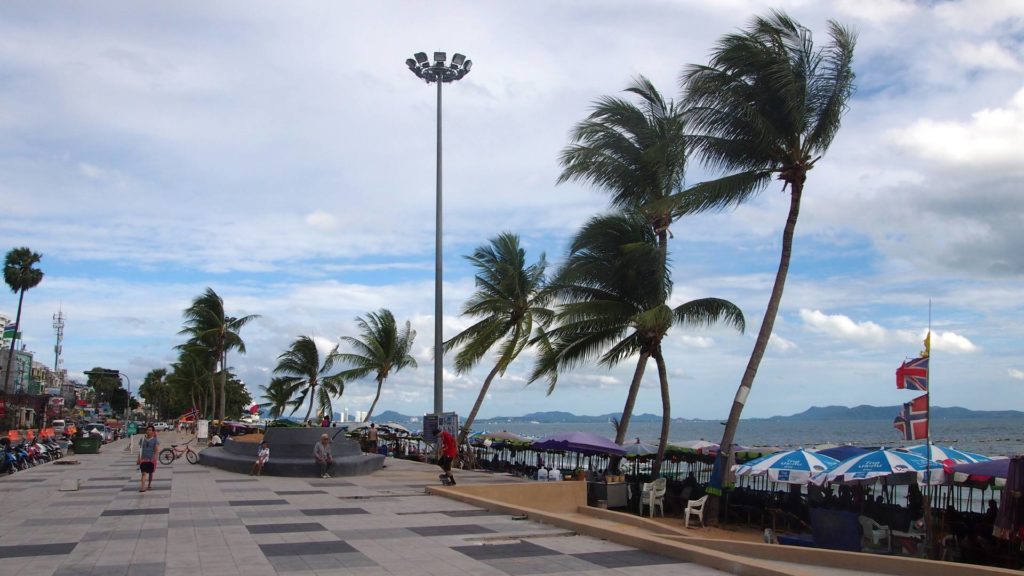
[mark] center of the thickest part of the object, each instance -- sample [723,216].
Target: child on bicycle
[261,459]
[149,447]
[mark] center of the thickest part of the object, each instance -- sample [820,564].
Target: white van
[58,427]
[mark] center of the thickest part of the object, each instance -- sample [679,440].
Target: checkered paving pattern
[198,521]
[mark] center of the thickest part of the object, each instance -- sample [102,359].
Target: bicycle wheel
[192,457]
[166,456]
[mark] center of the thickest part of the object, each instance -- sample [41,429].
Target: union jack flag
[912,421]
[913,375]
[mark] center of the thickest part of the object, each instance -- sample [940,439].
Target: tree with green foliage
[510,301]
[21,275]
[612,293]
[381,349]
[767,106]
[279,395]
[156,391]
[209,328]
[302,371]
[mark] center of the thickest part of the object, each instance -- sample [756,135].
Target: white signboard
[202,429]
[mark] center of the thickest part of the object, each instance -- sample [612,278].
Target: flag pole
[928,435]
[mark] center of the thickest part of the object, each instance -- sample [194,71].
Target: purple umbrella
[581,442]
[983,472]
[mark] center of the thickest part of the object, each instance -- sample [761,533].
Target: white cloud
[843,327]
[877,11]
[985,55]
[321,220]
[993,137]
[697,341]
[780,344]
[1015,374]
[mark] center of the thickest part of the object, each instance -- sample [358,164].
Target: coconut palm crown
[509,300]
[381,349]
[21,275]
[767,105]
[303,372]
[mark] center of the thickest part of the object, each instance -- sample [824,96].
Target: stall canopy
[580,442]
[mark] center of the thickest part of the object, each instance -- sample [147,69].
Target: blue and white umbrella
[882,463]
[790,467]
[940,454]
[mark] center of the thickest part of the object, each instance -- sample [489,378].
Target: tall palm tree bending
[767,105]
[612,294]
[278,395]
[21,275]
[382,349]
[637,154]
[211,329]
[510,301]
[303,372]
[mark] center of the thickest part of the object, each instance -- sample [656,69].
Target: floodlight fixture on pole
[440,73]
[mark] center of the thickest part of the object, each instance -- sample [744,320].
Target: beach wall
[558,497]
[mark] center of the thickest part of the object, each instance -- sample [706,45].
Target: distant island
[818,413]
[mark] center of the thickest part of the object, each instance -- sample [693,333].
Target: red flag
[254,409]
[189,414]
[912,421]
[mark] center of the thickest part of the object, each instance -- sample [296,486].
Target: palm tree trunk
[380,383]
[634,389]
[464,433]
[312,400]
[14,339]
[725,455]
[666,411]
[223,382]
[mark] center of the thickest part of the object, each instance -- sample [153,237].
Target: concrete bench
[291,454]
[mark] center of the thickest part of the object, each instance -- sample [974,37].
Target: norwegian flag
[913,375]
[912,421]
[189,414]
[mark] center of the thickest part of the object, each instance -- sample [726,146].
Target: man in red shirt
[449,451]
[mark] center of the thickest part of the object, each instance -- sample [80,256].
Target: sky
[283,155]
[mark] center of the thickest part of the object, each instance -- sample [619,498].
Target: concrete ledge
[553,502]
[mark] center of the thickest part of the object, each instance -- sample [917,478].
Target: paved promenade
[200,521]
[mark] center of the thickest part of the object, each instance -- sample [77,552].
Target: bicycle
[169,455]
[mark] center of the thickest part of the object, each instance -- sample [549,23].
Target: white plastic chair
[653,496]
[694,508]
[874,532]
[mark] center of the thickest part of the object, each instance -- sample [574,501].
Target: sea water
[992,437]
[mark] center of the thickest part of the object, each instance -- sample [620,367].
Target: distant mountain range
[818,413]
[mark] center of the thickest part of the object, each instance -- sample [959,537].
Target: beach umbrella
[501,438]
[790,467]
[1010,519]
[878,464]
[982,473]
[640,449]
[843,452]
[692,447]
[580,442]
[940,454]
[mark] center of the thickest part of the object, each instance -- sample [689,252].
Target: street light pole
[440,73]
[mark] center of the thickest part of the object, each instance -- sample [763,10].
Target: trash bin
[86,445]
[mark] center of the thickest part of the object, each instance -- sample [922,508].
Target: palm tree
[20,275]
[766,106]
[304,373]
[509,301]
[155,391]
[382,349]
[278,395]
[636,153]
[189,379]
[613,294]
[208,326]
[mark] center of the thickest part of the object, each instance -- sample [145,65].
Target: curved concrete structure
[291,454]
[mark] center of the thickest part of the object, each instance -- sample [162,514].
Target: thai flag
[912,421]
[913,375]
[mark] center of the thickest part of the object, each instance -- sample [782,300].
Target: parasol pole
[929,533]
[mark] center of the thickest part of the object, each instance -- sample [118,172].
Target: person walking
[150,446]
[322,454]
[449,451]
[261,459]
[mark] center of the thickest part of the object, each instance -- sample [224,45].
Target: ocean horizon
[992,437]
